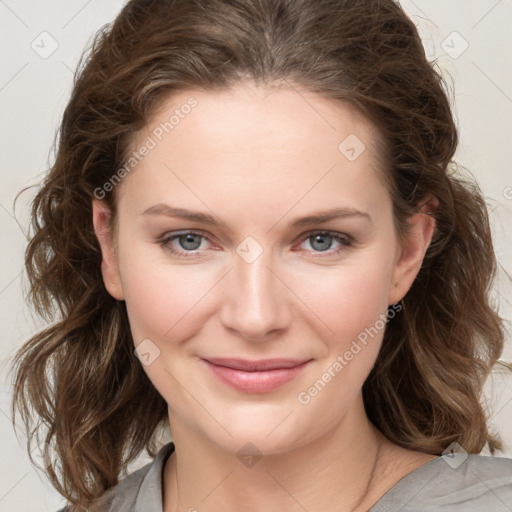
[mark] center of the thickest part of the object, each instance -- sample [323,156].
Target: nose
[257,300]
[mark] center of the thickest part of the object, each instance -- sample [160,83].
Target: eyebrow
[205,218]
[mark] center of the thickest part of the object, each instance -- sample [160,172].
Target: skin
[256,159]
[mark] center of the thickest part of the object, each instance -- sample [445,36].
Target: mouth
[255,376]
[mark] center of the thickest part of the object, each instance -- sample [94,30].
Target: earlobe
[413,249]
[109,266]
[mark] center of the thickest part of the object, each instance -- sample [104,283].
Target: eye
[188,241]
[321,241]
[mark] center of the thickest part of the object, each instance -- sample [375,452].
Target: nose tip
[256,306]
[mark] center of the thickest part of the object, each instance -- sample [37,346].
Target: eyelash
[346,241]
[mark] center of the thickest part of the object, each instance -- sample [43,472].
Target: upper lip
[255,366]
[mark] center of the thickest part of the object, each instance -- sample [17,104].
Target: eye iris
[189,239]
[322,238]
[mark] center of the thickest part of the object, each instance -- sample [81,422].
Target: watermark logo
[249,249]
[45,45]
[454,45]
[454,455]
[352,147]
[249,455]
[147,352]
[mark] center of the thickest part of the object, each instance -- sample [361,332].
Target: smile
[255,376]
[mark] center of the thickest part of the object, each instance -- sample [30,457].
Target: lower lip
[255,382]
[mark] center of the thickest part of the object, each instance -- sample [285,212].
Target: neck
[340,470]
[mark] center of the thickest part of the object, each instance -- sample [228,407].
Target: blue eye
[324,240]
[190,241]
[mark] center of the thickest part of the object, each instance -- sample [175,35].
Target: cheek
[349,298]
[164,300]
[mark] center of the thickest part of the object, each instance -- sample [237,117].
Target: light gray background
[34,89]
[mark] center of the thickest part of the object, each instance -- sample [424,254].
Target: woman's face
[253,282]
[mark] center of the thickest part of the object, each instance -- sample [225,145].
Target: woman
[255,235]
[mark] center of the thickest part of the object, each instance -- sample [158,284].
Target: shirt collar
[149,497]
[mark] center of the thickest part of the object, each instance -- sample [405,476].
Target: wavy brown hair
[80,378]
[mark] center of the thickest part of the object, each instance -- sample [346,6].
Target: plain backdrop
[40,44]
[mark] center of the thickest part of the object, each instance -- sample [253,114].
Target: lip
[255,376]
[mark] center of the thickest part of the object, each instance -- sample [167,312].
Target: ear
[413,249]
[109,266]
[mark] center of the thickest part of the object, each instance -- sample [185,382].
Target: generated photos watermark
[305,397]
[157,135]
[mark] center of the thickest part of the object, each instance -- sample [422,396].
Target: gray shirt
[455,483]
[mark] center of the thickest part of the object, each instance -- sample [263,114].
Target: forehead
[245,111]
[251,143]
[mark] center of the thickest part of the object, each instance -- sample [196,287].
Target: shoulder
[457,483]
[480,475]
[144,484]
